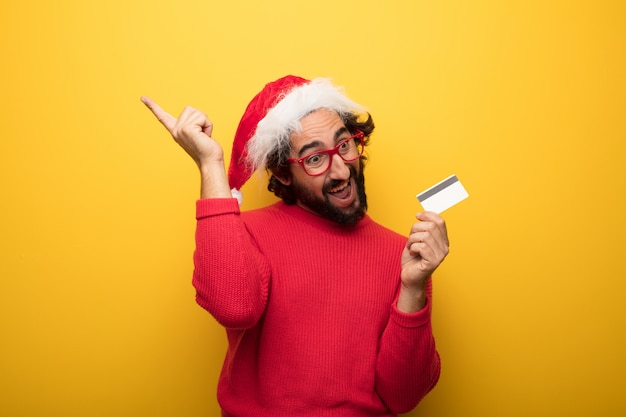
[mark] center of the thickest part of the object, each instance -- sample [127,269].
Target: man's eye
[313,160]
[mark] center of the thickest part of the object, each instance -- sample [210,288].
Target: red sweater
[309,310]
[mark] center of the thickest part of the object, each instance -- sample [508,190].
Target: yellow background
[524,100]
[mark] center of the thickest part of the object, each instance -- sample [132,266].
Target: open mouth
[342,191]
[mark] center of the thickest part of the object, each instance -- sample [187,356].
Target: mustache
[335,183]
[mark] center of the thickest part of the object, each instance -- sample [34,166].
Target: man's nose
[339,169]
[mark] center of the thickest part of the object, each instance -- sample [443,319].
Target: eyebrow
[317,143]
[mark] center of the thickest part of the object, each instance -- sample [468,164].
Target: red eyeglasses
[317,163]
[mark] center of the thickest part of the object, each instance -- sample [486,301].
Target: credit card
[443,195]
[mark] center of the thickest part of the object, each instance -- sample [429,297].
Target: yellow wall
[523,100]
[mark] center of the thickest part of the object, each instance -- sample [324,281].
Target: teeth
[341,187]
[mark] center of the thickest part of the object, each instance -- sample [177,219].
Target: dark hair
[278,166]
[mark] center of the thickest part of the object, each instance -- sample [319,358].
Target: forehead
[318,126]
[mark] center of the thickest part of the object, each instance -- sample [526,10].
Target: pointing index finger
[164,117]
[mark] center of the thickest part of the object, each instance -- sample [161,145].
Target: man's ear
[284,181]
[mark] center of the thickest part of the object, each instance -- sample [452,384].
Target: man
[326,311]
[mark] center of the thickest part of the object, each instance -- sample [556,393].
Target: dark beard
[326,209]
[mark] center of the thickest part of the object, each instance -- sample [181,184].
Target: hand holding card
[443,195]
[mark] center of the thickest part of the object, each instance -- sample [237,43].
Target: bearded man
[327,313]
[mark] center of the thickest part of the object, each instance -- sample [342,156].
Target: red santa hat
[272,115]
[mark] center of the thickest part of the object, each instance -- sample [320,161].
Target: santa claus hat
[272,115]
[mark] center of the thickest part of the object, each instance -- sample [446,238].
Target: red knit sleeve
[230,274]
[408,365]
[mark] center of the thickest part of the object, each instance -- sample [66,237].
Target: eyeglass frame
[331,152]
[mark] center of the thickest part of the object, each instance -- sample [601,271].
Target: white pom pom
[238,195]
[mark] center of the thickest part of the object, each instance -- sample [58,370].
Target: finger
[164,117]
[436,231]
[428,255]
[420,239]
[199,119]
[430,238]
[427,217]
[421,250]
[432,217]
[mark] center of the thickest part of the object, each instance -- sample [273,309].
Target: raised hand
[192,131]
